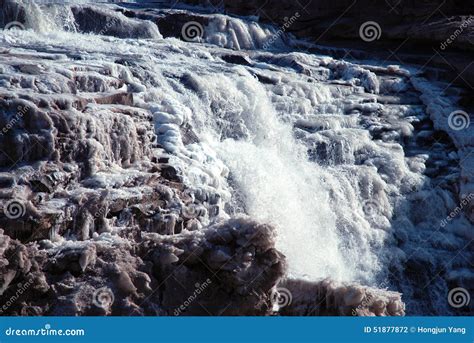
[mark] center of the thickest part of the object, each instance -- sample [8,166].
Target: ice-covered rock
[145,274]
[127,161]
[328,298]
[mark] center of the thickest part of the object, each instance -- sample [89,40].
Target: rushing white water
[275,180]
[297,150]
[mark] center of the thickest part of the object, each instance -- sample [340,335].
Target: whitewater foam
[316,150]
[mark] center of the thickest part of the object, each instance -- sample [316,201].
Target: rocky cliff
[428,33]
[122,150]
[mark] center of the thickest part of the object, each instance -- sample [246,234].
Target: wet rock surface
[97,222]
[428,21]
[328,298]
[226,269]
[110,206]
[428,33]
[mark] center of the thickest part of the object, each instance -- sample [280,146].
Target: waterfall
[332,153]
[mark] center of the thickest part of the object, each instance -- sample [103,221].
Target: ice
[327,151]
[237,34]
